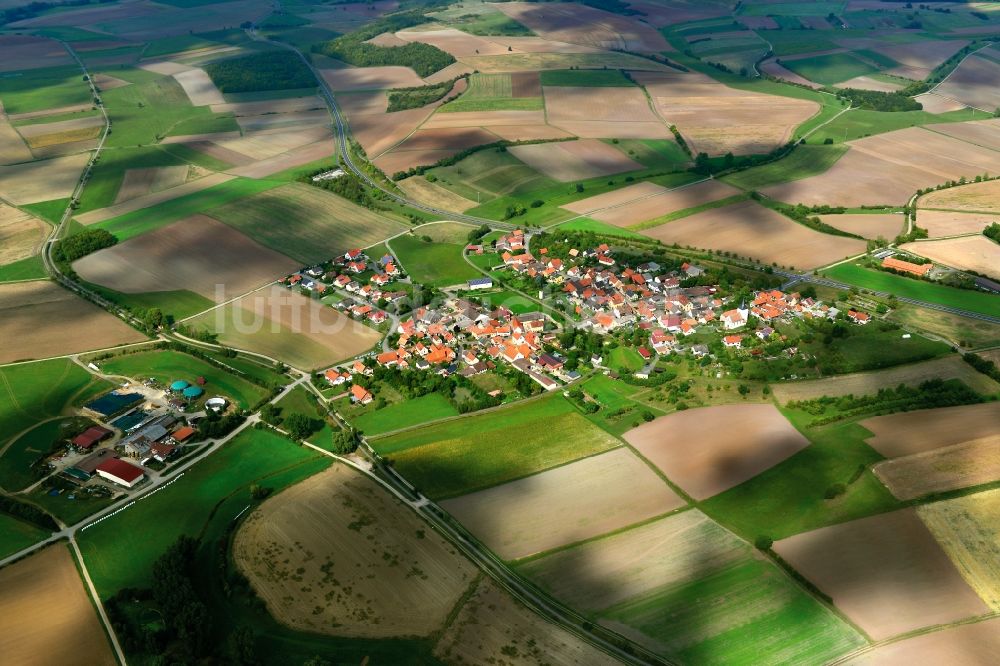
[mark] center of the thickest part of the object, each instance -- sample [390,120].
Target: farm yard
[762,438]
[886,573]
[198,254]
[602,493]
[32,325]
[283,324]
[46,612]
[704,597]
[339,521]
[748,229]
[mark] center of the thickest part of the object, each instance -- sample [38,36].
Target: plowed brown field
[574,160]
[927,429]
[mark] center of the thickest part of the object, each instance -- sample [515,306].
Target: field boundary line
[96,600]
[945,80]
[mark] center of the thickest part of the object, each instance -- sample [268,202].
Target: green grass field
[515,302]
[484,450]
[624,360]
[179,303]
[165,366]
[50,211]
[802,162]
[413,412]
[660,154]
[120,551]
[598,227]
[597,78]
[819,8]
[789,498]
[315,224]
[435,264]
[106,178]
[831,68]
[15,465]
[868,348]
[44,88]
[30,268]
[867,278]
[857,124]
[491,92]
[142,221]
[17,535]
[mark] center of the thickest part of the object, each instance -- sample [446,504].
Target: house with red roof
[360,395]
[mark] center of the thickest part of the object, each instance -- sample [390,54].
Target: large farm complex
[540,332]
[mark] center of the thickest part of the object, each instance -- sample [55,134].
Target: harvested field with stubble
[46,615]
[43,180]
[581,57]
[197,254]
[455,42]
[646,201]
[21,234]
[751,230]
[321,149]
[968,528]
[13,149]
[689,590]
[973,83]
[493,628]
[596,113]
[981,197]
[707,462]
[574,160]
[376,130]
[338,555]
[964,465]
[285,325]
[961,645]
[40,319]
[139,182]
[773,68]
[919,57]
[489,119]
[867,383]
[970,253]
[949,223]
[908,433]
[422,190]
[314,224]
[886,225]
[266,144]
[936,104]
[889,168]
[984,133]
[152,199]
[717,119]
[886,573]
[564,505]
[63,131]
[370,78]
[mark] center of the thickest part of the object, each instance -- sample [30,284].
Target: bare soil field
[964,465]
[568,22]
[671,12]
[448,73]
[284,120]
[40,319]
[427,146]
[940,223]
[42,180]
[868,83]
[886,225]
[525,84]
[867,383]
[493,628]
[978,197]
[969,253]
[535,44]
[529,132]
[426,192]
[370,78]
[387,39]
[973,83]
[717,119]
[751,230]
[286,325]
[936,104]
[962,645]
[318,150]
[266,144]
[29,52]
[376,130]
[165,67]
[21,234]
[395,161]
[336,554]
[968,528]
[908,433]
[198,254]
[667,201]
[889,168]
[106,82]
[46,616]
[448,119]
[455,42]
[580,57]
[705,462]
[152,199]
[597,113]
[270,106]
[564,505]
[620,197]
[13,149]
[919,57]
[759,22]
[574,160]
[886,573]
[139,182]
[985,133]
[774,68]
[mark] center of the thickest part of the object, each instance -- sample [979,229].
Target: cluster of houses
[354,272]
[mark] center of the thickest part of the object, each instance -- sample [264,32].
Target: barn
[120,472]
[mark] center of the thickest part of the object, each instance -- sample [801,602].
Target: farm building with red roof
[120,472]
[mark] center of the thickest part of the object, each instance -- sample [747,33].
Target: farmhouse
[906,267]
[360,395]
[859,317]
[733,341]
[120,472]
